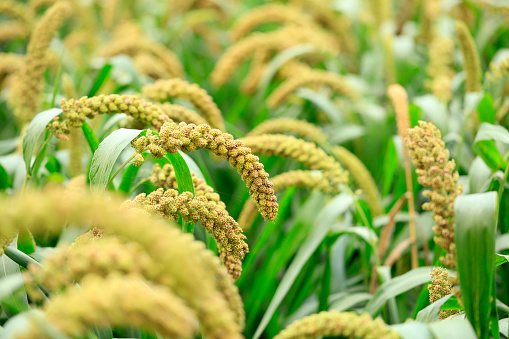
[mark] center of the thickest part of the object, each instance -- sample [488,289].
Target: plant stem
[119,169]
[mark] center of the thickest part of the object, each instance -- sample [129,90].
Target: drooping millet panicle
[399,98]
[361,177]
[92,254]
[338,324]
[29,85]
[269,13]
[10,63]
[13,30]
[471,62]
[439,287]
[77,111]
[497,70]
[300,128]
[149,65]
[339,25]
[310,78]
[170,205]
[297,178]
[166,178]
[275,41]
[134,46]
[257,68]
[302,151]
[117,301]
[96,253]
[176,88]
[20,26]
[190,279]
[225,283]
[436,171]
[180,113]
[5,241]
[189,137]
[440,68]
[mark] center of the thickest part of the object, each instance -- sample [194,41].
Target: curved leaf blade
[322,225]
[476,223]
[396,286]
[107,154]
[34,133]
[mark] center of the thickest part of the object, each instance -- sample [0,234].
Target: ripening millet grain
[216,220]
[436,171]
[334,324]
[190,279]
[77,111]
[29,84]
[117,301]
[176,88]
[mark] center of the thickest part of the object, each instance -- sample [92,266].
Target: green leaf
[107,153]
[485,147]
[35,131]
[9,284]
[101,78]
[182,173]
[348,301]
[322,102]
[90,137]
[396,286]
[19,257]
[486,110]
[17,301]
[501,259]
[476,223]
[5,181]
[431,313]
[454,327]
[26,242]
[413,330]
[128,178]
[279,60]
[322,225]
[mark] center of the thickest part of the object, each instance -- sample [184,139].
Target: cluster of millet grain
[176,88]
[77,111]
[179,258]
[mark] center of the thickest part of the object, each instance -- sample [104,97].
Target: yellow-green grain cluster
[166,178]
[274,41]
[439,287]
[77,111]
[177,253]
[190,137]
[299,128]
[471,62]
[301,151]
[436,171]
[180,113]
[177,88]
[116,301]
[311,78]
[440,70]
[338,324]
[216,220]
[133,46]
[269,13]
[27,92]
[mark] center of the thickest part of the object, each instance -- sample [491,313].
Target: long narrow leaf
[90,137]
[107,154]
[322,226]
[35,130]
[476,223]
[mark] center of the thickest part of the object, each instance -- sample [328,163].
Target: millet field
[228,169]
